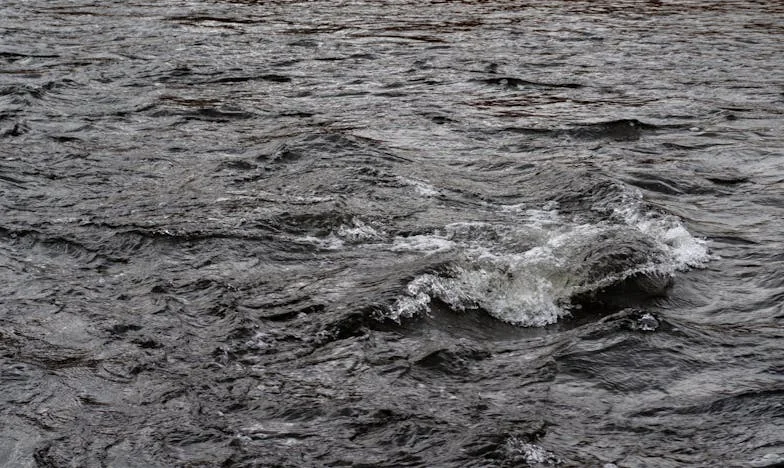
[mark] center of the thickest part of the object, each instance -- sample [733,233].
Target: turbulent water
[333,233]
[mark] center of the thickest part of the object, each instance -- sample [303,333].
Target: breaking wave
[538,270]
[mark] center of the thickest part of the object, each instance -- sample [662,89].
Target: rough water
[333,233]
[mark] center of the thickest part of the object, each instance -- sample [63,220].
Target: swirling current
[391,233]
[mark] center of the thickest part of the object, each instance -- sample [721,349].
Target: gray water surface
[391,233]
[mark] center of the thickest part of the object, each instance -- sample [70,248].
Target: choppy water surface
[391,233]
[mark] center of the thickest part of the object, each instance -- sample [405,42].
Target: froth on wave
[538,270]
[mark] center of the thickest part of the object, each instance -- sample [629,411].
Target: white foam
[429,244]
[531,454]
[513,208]
[686,251]
[511,289]
[354,233]
[769,459]
[330,242]
[525,268]
[358,232]
[422,188]
[532,285]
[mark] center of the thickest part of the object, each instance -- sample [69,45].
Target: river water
[360,233]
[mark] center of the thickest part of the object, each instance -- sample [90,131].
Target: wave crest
[533,273]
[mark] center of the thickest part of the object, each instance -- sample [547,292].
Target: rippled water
[391,233]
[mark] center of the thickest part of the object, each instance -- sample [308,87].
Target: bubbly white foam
[526,269]
[330,242]
[421,187]
[667,230]
[353,233]
[358,232]
[525,274]
[429,244]
[529,453]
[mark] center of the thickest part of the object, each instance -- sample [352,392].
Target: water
[391,234]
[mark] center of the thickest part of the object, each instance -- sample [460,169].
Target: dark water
[391,233]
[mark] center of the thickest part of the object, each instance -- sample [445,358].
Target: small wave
[528,453]
[685,249]
[530,274]
[353,231]
[422,243]
[358,231]
[422,188]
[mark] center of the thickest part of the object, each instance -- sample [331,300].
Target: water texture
[333,233]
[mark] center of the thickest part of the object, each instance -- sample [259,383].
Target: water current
[391,233]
